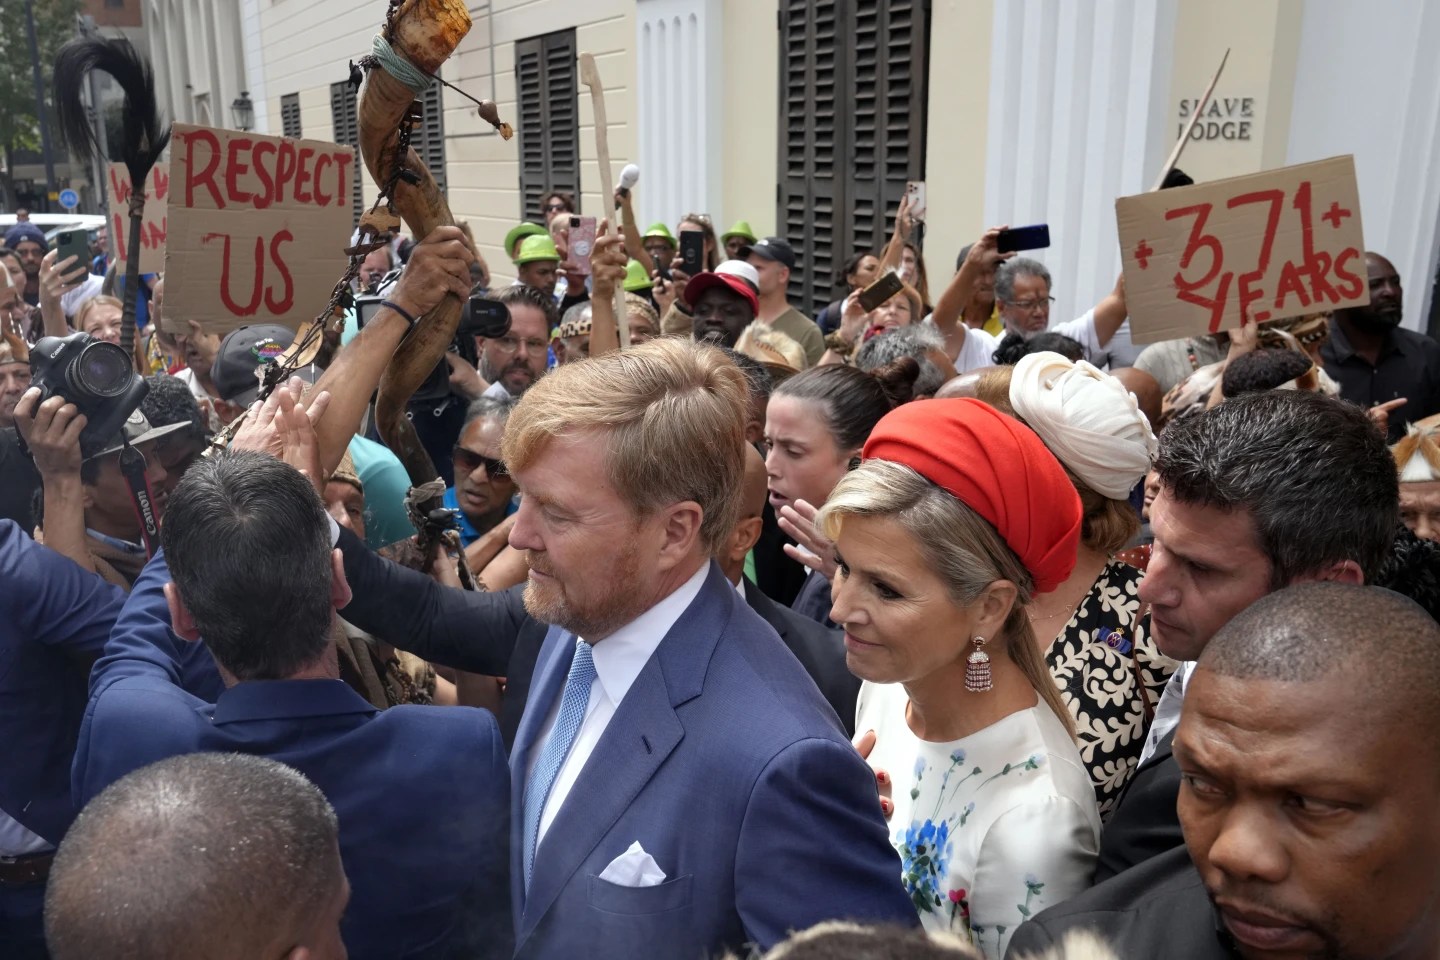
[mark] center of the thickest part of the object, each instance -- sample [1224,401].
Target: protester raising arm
[948,310]
[54,282]
[439,265]
[633,247]
[607,265]
[52,432]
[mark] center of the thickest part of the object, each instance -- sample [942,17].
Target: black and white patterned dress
[1093,662]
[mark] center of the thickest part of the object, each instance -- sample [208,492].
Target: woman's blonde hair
[1108,525]
[958,544]
[673,414]
[86,308]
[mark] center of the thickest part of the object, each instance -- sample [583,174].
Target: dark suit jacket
[723,760]
[54,618]
[814,600]
[821,652]
[421,793]
[1159,909]
[1144,824]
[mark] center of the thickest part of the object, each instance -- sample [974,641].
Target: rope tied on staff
[398,67]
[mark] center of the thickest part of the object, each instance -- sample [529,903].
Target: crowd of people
[922,627]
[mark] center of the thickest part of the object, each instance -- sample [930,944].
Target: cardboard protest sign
[152,227]
[258,228]
[1245,250]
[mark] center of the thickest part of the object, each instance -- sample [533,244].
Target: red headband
[996,466]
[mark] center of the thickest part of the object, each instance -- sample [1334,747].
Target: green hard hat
[636,279]
[741,229]
[523,230]
[537,248]
[660,230]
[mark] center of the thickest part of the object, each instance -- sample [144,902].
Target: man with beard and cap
[723,303]
[1309,783]
[1375,360]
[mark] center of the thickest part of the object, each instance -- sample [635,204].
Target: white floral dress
[991,829]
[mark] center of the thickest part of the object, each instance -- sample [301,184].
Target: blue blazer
[723,760]
[421,793]
[725,763]
[54,618]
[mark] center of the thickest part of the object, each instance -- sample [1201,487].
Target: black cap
[771,248]
[136,430]
[241,352]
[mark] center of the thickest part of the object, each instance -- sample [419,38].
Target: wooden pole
[1194,118]
[590,76]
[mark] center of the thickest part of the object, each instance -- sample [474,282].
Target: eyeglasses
[1041,304]
[468,460]
[554,207]
[508,345]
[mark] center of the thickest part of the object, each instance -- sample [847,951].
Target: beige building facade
[1028,111]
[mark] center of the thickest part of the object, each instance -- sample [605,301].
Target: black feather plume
[145,135]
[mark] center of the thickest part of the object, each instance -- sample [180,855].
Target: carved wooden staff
[590,76]
[1194,117]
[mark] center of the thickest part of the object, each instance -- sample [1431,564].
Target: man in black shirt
[1375,360]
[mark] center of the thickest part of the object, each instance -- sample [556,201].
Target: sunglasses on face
[469,460]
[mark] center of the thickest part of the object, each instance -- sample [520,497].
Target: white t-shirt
[978,350]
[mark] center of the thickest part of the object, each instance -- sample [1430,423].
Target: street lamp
[242,111]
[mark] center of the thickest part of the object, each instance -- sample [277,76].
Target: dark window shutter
[290,115]
[852,129]
[428,137]
[347,132]
[547,89]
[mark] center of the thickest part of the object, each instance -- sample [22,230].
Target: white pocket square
[634,868]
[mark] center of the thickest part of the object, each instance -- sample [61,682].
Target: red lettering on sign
[1215,305]
[264,198]
[255,291]
[119,187]
[302,175]
[235,168]
[284,303]
[1351,284]
[1335,214]
[1198,239]
[1248,292]
[1143,253]
[206,176]
[321,162]
[153,234]
[284,169]
[117,233]
[162,182]
[342,178]
[1290,283]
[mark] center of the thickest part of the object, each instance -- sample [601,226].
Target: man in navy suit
[679,786]
[54,618]
[421,792]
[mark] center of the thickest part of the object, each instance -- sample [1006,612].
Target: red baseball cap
[735,282]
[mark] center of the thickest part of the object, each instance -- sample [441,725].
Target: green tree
[19,126]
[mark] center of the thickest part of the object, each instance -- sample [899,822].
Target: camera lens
[103,370]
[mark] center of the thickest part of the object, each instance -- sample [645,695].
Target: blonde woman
[955,519]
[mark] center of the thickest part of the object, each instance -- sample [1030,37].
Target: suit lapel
[552,666]
[1162,753]
[640,736]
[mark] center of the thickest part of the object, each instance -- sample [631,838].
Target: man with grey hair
[204,855]
[1022,293]
[483,490]
[921,343]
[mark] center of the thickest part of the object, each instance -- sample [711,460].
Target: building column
[680,75]
[1077,117]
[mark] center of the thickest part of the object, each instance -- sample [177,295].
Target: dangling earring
[854,464]
[977,669]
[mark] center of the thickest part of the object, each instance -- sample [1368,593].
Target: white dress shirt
[979,347]
[619,658]
[16,840]
[1167,712]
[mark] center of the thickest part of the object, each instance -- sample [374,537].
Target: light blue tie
[573,701]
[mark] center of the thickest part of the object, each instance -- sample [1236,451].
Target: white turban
[1088,420]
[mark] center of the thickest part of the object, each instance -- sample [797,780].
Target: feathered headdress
[143,139]
[1417,455]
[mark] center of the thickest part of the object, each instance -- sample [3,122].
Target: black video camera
[98,377]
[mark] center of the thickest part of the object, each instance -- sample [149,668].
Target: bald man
[202,857]
[1310,781]
[1375,360]
[820,651]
